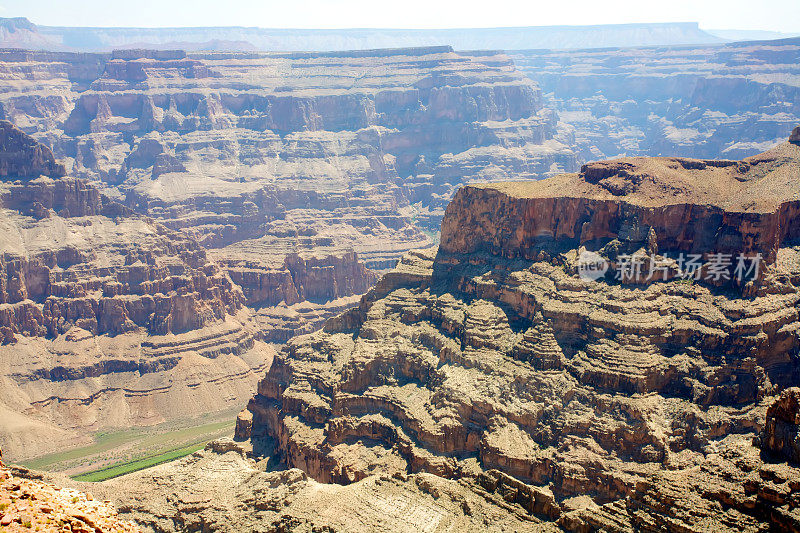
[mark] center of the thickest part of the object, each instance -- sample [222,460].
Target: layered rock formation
[359,151]
[603,405]
[729,101]
[220,489]
[300,293]
[263,156]
[781,435]
[669,205]
[107,319]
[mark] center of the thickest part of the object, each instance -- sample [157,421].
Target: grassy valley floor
[119,452]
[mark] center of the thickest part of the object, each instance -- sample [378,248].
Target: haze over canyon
[372,253]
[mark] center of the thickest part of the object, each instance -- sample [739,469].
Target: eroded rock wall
[602,405]
[109,319]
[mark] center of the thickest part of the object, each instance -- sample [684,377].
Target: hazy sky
[776,15]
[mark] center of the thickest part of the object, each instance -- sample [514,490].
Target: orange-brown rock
[30,503]
[692,206]
[220,489]
[230,147]
[316,277]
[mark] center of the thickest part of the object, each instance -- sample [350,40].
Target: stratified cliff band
[107,319]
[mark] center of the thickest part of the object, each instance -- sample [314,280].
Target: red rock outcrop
[692,206]
[28,502]
[317,277]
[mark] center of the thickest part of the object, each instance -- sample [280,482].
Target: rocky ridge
[637,406]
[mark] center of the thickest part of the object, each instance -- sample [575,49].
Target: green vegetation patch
[132,444]
[126,467]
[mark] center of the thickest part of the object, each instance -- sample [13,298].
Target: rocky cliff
[614,406]
[107,319]
[666,205]
[261,156]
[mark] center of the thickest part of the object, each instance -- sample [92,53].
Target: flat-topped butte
[671,204]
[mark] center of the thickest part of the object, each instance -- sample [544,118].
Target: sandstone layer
[617,407]
[107,319]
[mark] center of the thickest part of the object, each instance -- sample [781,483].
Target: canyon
[713,101]
[107,318]
[592,404]
[169,217]
[271,161]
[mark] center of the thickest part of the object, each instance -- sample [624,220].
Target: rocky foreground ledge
[626,406]
[30,503]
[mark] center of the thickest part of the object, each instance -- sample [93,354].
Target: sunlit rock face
[630,403]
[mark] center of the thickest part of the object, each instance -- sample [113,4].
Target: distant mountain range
[22,33]
[751,35]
